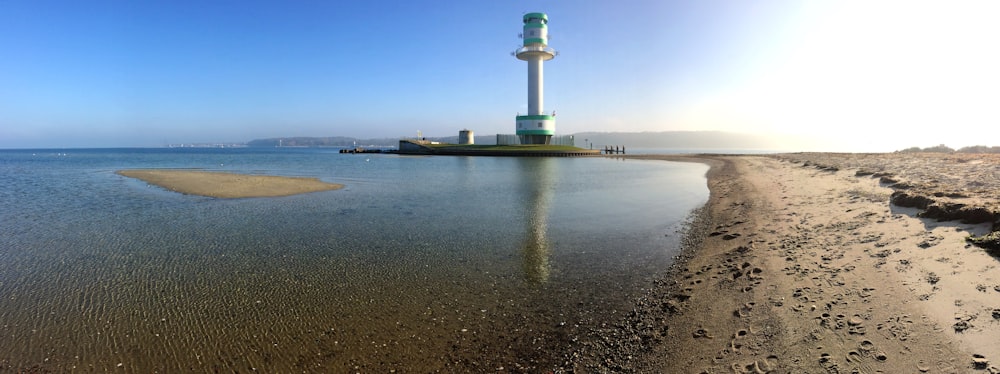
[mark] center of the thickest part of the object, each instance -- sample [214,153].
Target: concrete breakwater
[410,147]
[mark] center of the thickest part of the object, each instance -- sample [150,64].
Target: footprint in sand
[827,362]
[744,310]
[855,326]
[854,357]
[861,358]
[866,346]
[702,333]
[737,342]
[946,367]
[764,366]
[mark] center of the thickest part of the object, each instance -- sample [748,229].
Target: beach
[789,263]
[228,185]
[799,263]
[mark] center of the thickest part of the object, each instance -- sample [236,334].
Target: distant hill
[344,141]
[329,141]
[700,140]
[695,140]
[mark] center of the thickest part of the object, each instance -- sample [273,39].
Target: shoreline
[800,263]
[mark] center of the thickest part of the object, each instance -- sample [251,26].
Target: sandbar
[228,185]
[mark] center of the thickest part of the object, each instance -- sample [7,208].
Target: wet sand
[799,263]
[228,185]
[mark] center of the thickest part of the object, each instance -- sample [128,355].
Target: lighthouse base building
[536,129]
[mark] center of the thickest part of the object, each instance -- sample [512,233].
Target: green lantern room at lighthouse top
[540,17]
[535,30]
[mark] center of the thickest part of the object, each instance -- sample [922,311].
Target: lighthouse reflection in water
[538,185]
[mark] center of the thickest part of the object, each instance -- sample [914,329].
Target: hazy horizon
[669,141]
[856,76]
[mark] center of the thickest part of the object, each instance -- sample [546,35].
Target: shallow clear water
[418,263]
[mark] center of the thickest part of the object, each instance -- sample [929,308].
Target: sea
[419,264]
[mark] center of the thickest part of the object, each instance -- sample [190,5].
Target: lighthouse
[536,127]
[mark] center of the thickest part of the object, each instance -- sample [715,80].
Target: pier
[365,150]
[611,150]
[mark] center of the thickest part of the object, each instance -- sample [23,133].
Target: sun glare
[873,75]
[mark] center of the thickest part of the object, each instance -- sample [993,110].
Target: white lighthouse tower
[536,127]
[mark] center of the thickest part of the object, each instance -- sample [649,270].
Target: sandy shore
[228,185]
[800,264]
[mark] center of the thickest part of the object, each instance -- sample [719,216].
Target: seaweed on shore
[990,242]
[943,211]
[904,199]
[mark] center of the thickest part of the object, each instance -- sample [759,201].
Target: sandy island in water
[825,263]
[228,185]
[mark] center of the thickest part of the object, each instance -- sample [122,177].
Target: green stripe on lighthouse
[537,117]
[535,132]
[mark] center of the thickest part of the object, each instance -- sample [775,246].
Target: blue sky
[860,75]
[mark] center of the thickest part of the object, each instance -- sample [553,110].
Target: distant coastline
[694,141]
[586,140]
